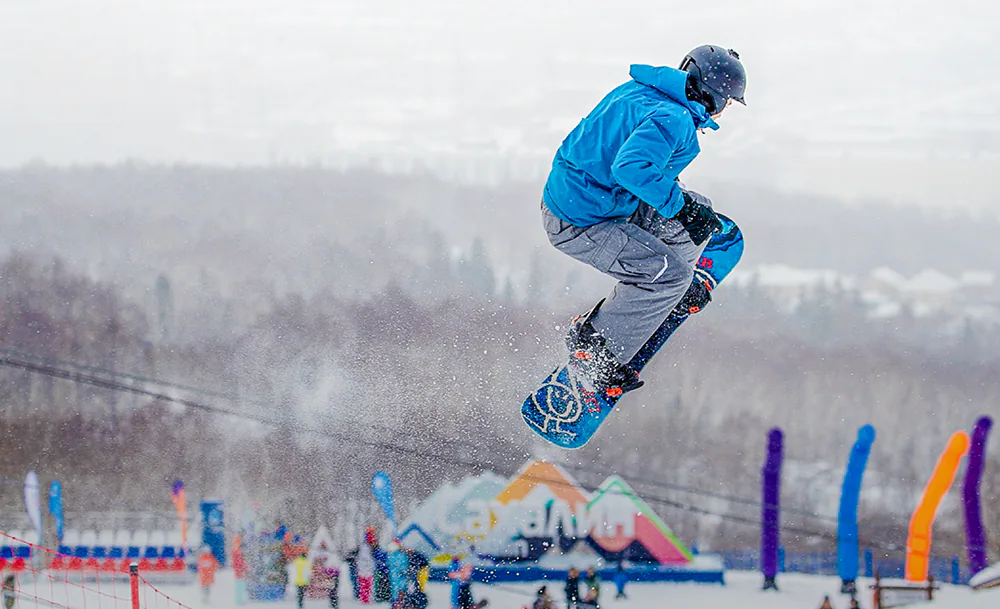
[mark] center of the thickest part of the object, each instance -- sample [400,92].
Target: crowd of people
[576,598]
[590,596]
[396,575]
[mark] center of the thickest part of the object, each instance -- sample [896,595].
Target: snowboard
[565,412]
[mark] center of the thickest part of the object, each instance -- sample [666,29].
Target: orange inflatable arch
[918,544]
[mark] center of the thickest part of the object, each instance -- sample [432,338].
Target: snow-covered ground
[742,591]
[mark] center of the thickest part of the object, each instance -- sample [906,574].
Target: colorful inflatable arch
[975,532]
[770,507]
[847,516]
[918,544]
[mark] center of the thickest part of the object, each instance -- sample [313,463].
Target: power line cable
[17,355]
[89,379]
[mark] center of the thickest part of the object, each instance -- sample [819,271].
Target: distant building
[885,291]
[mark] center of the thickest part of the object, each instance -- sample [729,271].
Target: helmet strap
[694,92]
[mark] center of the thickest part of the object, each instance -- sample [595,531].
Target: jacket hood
[671,82]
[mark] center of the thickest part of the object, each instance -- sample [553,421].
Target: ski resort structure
[541,522]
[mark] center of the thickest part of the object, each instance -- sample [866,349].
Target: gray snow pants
[653,259]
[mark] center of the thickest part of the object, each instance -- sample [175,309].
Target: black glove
[698,218]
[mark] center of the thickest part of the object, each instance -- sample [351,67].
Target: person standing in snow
[419,569]
[352,571]
[365,565]
[207,566]
[459,576]
[416,600]
[621,578]
[592,588]
[613,201]
[9,594]
[332,573]
[543,600]
[299,573]
[399,565]
[380,587]
[572,588]
[239,570]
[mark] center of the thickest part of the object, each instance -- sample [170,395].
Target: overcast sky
[896,98]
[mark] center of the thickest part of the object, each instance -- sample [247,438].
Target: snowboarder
[613,200]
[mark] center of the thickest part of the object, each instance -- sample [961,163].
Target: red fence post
[133,576]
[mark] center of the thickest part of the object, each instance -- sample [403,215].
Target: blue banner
[56,508]
[213,529]
[850,494]
[382,489]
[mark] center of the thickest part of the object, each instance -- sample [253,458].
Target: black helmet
[715,76]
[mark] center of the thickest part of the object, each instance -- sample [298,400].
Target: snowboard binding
[594,361]
[576,397]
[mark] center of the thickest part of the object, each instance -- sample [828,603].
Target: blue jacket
[631,147]
[398,564]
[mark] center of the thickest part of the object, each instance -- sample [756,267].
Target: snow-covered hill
[883,292]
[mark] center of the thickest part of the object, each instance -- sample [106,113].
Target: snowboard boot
[594,361]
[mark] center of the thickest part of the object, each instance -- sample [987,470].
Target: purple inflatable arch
[975,532]
[770,507]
